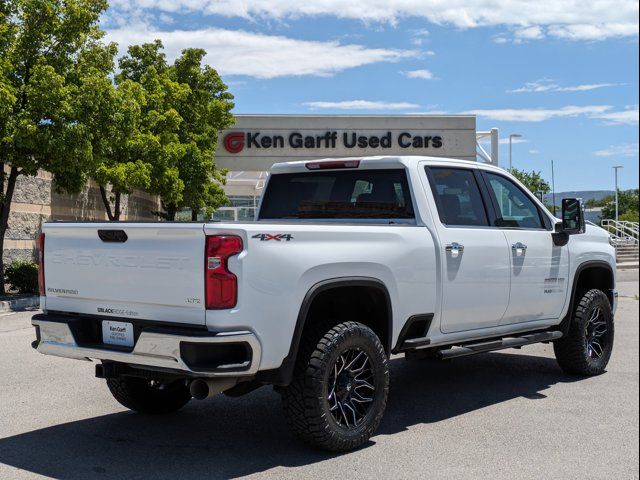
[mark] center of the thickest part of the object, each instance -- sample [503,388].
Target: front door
[474,255]
[539,269]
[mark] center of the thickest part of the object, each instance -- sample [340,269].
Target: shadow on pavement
[228,438]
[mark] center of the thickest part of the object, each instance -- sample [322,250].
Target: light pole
[512,136]
[553,188]
[615,169]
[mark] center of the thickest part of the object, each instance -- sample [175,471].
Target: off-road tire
[573,351]
[305,400]
[140,395]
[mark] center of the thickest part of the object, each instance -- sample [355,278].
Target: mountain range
[583,194]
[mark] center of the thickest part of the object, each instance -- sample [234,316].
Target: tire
[145,396]
[587,347]
[338,412]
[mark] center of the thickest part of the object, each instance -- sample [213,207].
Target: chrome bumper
[153,349]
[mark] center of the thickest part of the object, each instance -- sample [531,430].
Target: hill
[583,194]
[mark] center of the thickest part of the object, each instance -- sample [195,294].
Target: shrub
[23,276]
[629,216]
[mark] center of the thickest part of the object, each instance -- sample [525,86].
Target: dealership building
[258,141]
[248,150]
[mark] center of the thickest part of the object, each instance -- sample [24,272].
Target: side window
[458,197]
[514,207]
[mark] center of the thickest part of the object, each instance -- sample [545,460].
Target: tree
[206,111]
[532,180]
[42,46]
[113,114]
[628,205]
[187,104]
[630,216]
[594,203]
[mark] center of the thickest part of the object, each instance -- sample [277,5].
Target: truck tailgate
[151,272]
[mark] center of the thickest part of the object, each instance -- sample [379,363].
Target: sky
[561,73]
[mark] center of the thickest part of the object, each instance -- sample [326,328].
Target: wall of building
[35,201]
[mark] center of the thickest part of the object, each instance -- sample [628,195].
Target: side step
[416,342]
[510,342]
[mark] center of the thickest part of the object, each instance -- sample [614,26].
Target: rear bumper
[195,354]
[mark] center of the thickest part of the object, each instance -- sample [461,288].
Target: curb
[18,304]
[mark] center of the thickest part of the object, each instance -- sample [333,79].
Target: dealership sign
[258,141]
[235,142]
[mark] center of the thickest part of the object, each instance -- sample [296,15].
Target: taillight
[221,286]
[41,265]
[324,165]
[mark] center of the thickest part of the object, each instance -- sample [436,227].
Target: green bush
[22,275]
[629,216]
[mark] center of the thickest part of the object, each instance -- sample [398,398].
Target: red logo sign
[233,142]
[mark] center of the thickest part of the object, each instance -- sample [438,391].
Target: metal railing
[622,233]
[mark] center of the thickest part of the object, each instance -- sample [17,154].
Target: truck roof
[378,162]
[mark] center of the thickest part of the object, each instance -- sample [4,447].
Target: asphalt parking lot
[512,414]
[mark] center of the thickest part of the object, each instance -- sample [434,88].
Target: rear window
[364,194]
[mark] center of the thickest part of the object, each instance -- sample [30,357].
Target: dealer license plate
[117,333]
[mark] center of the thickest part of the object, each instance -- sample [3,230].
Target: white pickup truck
[349,261]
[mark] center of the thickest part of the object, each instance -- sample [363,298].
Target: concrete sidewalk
[628,283]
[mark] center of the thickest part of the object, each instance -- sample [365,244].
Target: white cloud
[624,150]
[362,105]
[166,19]
[588,86]
[505,141]
[538,114]
[419,36]
[547,85]
[238,52]
[421,74]
[529,33]
[568,19]
[596,30]
[420,32]
[533,151]
[429,112]
[629,116]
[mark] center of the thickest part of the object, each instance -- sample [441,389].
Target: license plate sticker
[117,333]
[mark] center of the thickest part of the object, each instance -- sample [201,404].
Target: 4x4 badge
[278,237]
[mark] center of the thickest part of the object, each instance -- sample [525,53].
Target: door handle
[519,248]
[455,248]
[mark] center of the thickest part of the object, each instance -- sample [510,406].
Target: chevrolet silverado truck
[349,261]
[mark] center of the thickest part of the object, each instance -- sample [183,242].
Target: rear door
[474,256]
[539,269]
[137,271]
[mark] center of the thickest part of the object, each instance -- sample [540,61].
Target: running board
[511,342]
[416,342]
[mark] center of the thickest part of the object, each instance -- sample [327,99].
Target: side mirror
[572,221]
[573,216]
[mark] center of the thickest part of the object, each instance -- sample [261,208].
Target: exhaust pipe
[202,388]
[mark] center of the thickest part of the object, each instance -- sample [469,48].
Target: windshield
[353,194]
